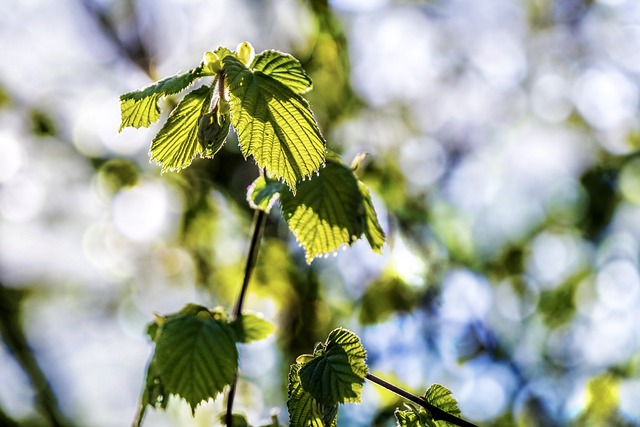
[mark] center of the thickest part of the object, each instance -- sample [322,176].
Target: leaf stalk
[259,221]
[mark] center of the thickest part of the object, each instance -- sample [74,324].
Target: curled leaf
[213,128]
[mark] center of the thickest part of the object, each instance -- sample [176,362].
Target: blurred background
[502,139]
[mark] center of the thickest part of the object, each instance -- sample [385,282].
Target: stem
[436,413]
[221,93]
[15,339]
[259,221]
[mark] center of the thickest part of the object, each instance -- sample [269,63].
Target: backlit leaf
[337,372]
[263,193]
[372,229]
[250,327]
[304,410]
[177,143]
[440,397]
[284,68]
[195,357]
[331,210]
[140,108]
[274,124]
[413,417]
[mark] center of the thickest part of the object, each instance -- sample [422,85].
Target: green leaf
[337,372]
[213,128]
[177,143]
[274,124]
[154,328]
[440,397]
[251,327]
[263,193]
[372,229]
[154,393]
[195,357]
[331,210]
[140,108]
[412,417]
[284,68]
[238,420]
[304,410]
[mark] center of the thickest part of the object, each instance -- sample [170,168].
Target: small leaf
[357,160]
[440,397]
[251,327]
[284,68]
[274,124]
[238,420]
[338,374]
[195,357]
[331,210]
[245,53]
[211,63]
[412,417]
[372,229]
[263,193]
[304,410]
[213,128]
[177,143]
[140,108]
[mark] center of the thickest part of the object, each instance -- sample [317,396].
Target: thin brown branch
[436,413]
[259,221]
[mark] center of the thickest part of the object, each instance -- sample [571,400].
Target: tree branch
[14,337]
[436,413]
[259,221]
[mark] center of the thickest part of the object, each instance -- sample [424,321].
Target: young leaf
[195,357]
[412,417]
[250,327]
[245,53]
[274,124]
[177,143]
[284,68]
[213,128]
[372,230]
[140,108]
[263,193]
[440,397]
[331,210]
[239,420]
[304,410]
[337,372]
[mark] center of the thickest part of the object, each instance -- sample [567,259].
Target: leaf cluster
[323,202]
[260,95]
[334,374]
[319,382]
[438,396]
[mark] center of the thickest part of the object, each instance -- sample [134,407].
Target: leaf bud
[211,62]
[245,53]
